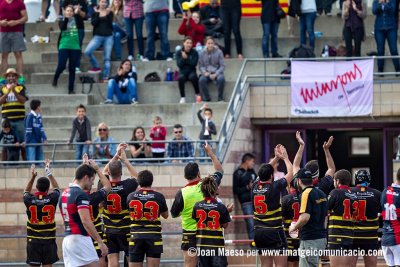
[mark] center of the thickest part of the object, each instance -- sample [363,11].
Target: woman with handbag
[271,14]
[354,13]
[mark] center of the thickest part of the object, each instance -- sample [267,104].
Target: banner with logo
[332,89]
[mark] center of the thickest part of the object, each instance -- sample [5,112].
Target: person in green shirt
[185,200]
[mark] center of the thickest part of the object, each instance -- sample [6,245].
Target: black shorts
[365,247]
[139,248]
[188,240]
[339,246]
[117,243]
[207,261]
[266,239]
[38,254]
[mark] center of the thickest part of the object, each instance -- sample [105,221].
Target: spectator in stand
[212,66]
[102,21]
[69,48]
[134,15]
[82,7]
[158,133]
[207,127]
[270,24]
[180,149]
[243,179]
[119,30]
[385,29]
[187,59]
[45,4]
[12,99]
[9,137]
[102,150]
[12,18]
[140,150]
[157,15]
[192,27]
[231,13]
[354,13]
[81,125]
[177,7]
[34,133]
[307,20]
[123,85]
[211,19]
[325,6]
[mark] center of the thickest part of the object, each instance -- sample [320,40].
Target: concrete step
[62,99]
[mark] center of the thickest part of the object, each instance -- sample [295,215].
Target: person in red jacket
[158,133]
[192,27]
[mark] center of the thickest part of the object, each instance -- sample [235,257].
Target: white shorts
[391,255]
[78,250]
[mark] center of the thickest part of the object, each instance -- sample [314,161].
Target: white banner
[332,89]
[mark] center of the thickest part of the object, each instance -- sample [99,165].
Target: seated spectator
[187,59]
[140,150]
[211,19]
[102,21]
[9,137]
[34,132]
[134,15]
[354,13]
[119,30]
[123,85]
[180,149]
[192,27]
[158,133]
[212,66]
[103,151]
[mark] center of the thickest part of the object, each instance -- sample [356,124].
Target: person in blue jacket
[34,132]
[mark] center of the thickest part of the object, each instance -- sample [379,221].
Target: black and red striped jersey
[41,209]
[290,213]
[390,203]
[95,199]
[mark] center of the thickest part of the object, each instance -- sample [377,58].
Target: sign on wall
[332,89]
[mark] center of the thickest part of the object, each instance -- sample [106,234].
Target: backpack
[301,51]
[152,77]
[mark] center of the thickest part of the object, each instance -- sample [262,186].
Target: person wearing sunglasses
[101,148]
[180,149]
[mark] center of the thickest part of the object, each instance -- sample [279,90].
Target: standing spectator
[270,24]
[179,149]
[82,7]
[12,18]
[9,153]
[34,133]
[207,127]
[119,30]
[158,133]
[123,85]
[44,8]
[157,15]
[102,21]
[325,6]
[187,59]
[101,148]
[212,66]
[243,179]
[211,18]
[69,48]
[134,15]
[191,26]
[12,99]
[354,13]
[385,29]
[140,150]
[231,13]
[81,125]
[307,20]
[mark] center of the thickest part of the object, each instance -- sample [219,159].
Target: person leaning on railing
[180,149]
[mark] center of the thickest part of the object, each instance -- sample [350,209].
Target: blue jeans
[139,34]
[307,21]
[96,42]
[160,20]
[122,97]
[73,57]
[391,36]
[34,153]
[247,209]
[80,150]
[118,34]
[270,29]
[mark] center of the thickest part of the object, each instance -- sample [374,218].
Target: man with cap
[311,222]
[12,99]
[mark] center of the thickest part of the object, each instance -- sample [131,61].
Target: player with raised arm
[266,198]
[187,197]
[116,216]
[145,208]
[41,227]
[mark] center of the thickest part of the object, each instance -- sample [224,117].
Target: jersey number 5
[49,218]
[259,204]
[137,213]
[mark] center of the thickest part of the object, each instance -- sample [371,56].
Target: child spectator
[117,8]
[140,150]
[81,124]
[158,133]
[69,48]
[104,151]
[192,27]
[9,138]
[134,15]
[207,127]
[34,132]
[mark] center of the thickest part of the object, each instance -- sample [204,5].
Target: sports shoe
[182,101]
[78,70]
[94,70]
[169,58]
[134,102]
[124,40]
[198,99]
[54,83]
[108,101]
[329,14]
[145,59]
[21,80]
[130,57]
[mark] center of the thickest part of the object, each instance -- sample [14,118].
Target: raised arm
[29,185]
[122,156]
[216,163]
[49,175]
[282,154]
[103,179]
[329,160]
[299,154]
